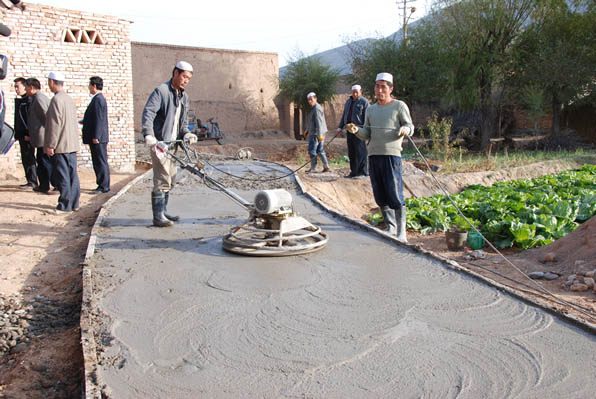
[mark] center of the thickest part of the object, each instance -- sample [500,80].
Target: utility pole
[406,12]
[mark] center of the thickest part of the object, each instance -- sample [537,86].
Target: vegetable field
[524,213]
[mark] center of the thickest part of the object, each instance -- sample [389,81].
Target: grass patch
[340,161]
[474,162]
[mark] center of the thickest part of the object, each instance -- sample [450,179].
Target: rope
[578,308]
[292,172]
[589,313]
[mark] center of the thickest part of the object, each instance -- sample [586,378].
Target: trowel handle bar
[194,170]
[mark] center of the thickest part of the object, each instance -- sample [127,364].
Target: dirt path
[40,288]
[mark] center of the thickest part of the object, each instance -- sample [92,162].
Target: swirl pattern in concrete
[362,318]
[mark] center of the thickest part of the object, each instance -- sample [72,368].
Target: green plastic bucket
[475,240]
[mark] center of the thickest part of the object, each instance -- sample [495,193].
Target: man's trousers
[67,181]
[99,157]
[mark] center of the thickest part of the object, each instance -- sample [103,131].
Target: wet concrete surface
[363,318]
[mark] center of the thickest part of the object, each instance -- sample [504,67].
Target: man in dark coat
[354,112]
[21,132]
[96,134]
[36,119]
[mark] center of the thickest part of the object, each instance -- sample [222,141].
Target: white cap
[356,87]
[184,66]
[387,77]
[311,94]
[59,76]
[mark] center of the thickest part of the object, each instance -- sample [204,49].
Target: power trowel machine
[272,228]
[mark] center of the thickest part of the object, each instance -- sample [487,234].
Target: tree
[303,75]
[307,74]
[479,35]
[557,53]
[417,68]
[382,55]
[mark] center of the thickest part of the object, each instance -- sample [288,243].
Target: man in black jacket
[96,134]
[21,132]
[354,112]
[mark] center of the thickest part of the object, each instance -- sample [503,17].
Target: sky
[288,28]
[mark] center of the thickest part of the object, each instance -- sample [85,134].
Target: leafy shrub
[525,213]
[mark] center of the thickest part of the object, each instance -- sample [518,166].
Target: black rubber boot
[173,218]
[389,218]
[158,201]
[400,215]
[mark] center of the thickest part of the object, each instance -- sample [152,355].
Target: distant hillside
[339,58]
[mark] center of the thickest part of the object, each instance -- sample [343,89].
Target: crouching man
[164,121]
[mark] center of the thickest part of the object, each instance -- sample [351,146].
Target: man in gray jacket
[36,117]
[164,121]
[62,143]
[316,128]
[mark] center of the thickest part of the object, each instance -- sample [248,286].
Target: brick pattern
[37,47]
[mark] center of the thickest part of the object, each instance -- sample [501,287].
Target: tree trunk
[488,125]
[555,127]
[297,131]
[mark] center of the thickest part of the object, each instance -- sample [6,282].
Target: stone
[551,276]
[589,281]
[18,348]
[572,277]
[549,257]
[536,275]
[578,287]
[590,273]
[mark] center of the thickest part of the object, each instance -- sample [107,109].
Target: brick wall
[37,46]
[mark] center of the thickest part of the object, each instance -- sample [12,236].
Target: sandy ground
[41,255]
[40,288]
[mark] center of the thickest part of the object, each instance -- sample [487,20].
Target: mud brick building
[80,45]
[237,88]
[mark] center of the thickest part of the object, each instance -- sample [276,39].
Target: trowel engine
[272,228]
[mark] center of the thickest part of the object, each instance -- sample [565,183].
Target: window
[88,36]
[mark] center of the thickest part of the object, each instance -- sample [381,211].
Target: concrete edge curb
[91,381]
[577,321]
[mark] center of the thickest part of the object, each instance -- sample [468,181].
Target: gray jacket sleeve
[320,124]
[43,104]
[150,112]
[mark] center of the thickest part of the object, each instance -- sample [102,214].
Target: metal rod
[199,172]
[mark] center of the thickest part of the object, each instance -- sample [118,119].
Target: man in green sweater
[385,125]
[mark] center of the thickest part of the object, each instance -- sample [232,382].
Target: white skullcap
[356,87]
[311,94]
[184,66]
[387,77]
[59,76]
